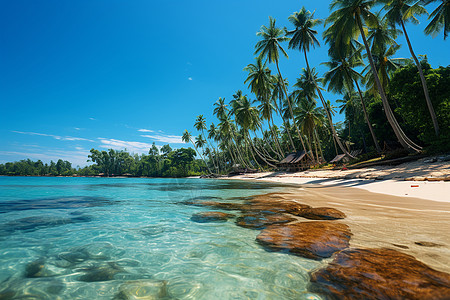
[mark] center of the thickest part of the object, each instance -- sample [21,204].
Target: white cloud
[174,139]
[190,78]
[57,137]
[93,119]
[137,147]
[76,128]
[145,130]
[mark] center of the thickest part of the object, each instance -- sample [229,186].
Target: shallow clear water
[104,238]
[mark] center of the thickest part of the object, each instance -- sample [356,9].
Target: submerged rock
[321,213]
[216,205]
[315,240]
[211,216]
[379,274]
[100,273]
[143,289]
[260,221]
[275,206]
[37,269]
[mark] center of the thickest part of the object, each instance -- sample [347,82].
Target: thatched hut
[295,161]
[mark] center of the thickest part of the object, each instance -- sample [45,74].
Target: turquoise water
[104,238]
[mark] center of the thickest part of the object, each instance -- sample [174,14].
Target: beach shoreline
[419,179]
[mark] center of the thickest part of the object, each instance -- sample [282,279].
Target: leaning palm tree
[304,37]
[309,116]
[260,84]
[278,98]
[440,18]
[187,138]
[342,77]
[200,125]
[270,47]
[347,23]
[399,12]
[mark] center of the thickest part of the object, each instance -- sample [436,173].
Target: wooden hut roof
[293,158]
[338,158]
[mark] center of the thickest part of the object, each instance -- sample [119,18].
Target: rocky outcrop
[379,274]
[321,213]
[210,216]
[260,221]
[315,240]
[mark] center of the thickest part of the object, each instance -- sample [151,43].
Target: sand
[409,216]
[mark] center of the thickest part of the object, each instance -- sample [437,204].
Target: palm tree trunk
[366,116]
[292,113]
[333,131]
[201,156]
[401,137]
[318,141]
[424,82]
[259,155]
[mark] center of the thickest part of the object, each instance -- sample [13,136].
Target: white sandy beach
[415,179]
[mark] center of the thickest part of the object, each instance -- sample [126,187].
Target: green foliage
[406,90]
[171,163]
[27,167]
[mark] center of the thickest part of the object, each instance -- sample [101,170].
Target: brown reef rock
[379,274]
[210,216]
[260,221]
[321,213]
[315,240]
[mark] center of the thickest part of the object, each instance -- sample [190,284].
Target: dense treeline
[158,163]
[391,105]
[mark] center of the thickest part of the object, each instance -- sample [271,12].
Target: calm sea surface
[104,238]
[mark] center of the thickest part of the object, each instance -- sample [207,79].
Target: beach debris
[261,220]
[428,244]
[143,289]
[315,240]
[400,246]
[321,213]
[379,274]
[211,216]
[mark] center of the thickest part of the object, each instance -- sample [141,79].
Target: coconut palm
[399,12]
[303,38]
[309,116]
[278,98]
[440,18]
[270,48]
[347,23]
[247,116]
[342,77]
[200,125]
[260,84]
[187,138]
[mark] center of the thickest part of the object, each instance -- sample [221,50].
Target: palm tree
[260,83]
[187,138]
[278,98]
[270,47]
[342,76]
[200,125]
[309,116]
[247,116]
[304,37]
[441,18]
[399,12]
[347,23]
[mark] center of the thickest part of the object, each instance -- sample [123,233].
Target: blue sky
[76,75]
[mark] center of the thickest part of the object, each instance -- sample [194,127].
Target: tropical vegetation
[389,103]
